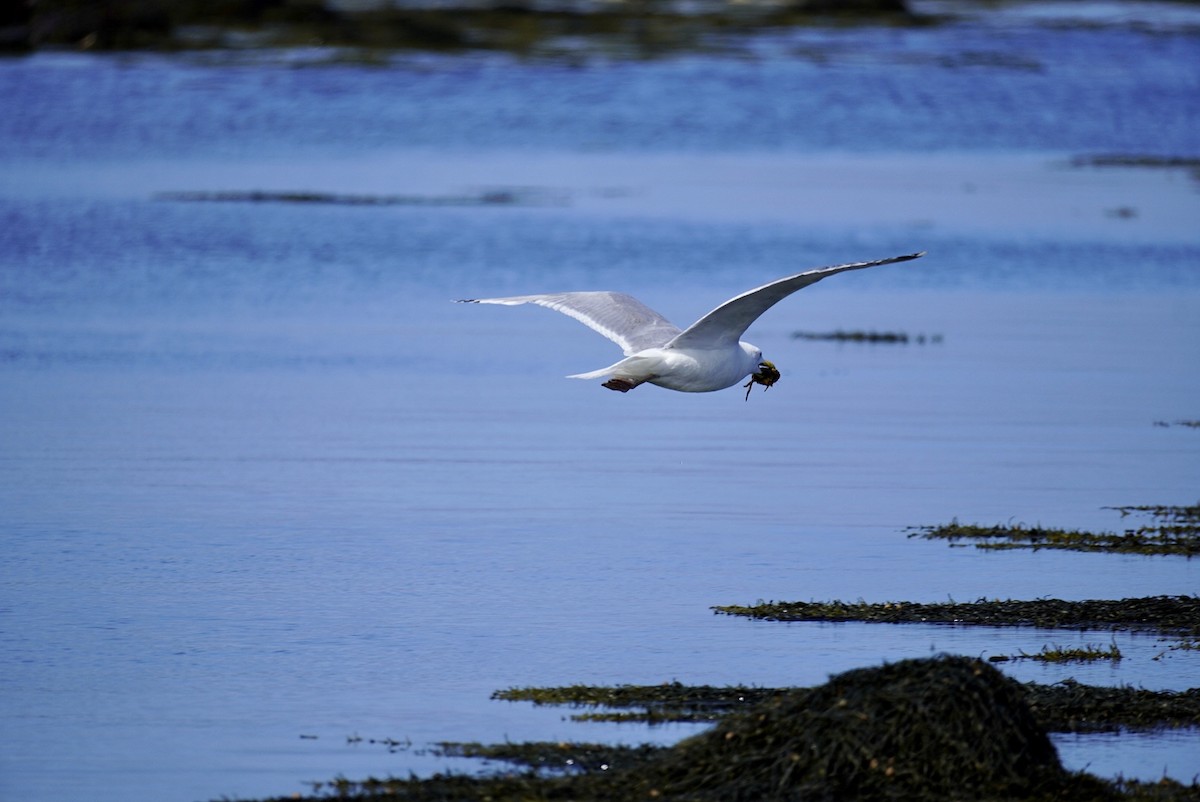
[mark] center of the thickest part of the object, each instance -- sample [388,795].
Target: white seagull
[706,356]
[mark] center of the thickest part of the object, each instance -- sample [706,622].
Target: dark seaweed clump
[949,727]
[1169,615]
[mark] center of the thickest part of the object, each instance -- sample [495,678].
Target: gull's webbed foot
[620,385]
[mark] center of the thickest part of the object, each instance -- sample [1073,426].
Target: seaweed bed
[1169,615]
[1067,706]
[1172,530]
[925,729]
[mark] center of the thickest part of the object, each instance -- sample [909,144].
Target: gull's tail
[596,374]
[635,367]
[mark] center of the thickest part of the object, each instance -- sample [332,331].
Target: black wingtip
[465,301]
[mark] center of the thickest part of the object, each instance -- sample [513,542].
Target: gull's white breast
[694,370]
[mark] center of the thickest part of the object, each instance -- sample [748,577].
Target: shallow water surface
[265,491]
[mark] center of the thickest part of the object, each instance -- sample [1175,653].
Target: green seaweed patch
[1064,654]
[868,337]
[1171,531]
[1169,615]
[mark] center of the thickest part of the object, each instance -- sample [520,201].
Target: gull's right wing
[726,324]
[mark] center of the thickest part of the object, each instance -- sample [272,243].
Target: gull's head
[752,353]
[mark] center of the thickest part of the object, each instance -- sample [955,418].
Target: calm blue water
[263,489]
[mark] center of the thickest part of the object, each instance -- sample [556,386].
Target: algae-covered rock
[941,728]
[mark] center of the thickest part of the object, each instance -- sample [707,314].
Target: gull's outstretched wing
[726,324]
[621,318]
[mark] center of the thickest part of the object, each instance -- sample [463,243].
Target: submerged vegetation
[1172,530]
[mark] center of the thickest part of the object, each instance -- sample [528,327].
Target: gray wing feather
[726,324]
[621,318]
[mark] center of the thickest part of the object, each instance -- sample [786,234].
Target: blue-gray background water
[265,490]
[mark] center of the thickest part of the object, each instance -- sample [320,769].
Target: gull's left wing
[726,324]
[621,318]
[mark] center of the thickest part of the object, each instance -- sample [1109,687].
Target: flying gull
[708,355]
